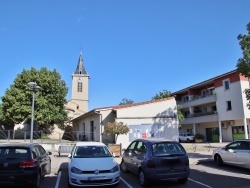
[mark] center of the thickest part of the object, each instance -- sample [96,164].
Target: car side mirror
[49,153]
[113,154]
[69,156]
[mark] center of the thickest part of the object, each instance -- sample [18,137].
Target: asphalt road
[203,175]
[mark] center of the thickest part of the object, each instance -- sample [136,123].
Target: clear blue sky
[132,49]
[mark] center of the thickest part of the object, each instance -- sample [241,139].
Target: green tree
[116,128]
[49,101]
[165,94]
[179,113]
[162,94]
[126,101]
[243,65]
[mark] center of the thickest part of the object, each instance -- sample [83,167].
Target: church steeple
[80,66]
[80,86]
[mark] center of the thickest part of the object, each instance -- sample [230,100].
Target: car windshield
[167,149]
[91,152]
[13,153]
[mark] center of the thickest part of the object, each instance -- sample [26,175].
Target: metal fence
[40,136]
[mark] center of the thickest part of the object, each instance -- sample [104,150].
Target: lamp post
[34,88]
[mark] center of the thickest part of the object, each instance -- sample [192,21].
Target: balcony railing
[200,117]
[202,114]
[198,100]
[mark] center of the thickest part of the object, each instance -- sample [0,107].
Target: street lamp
[34,88]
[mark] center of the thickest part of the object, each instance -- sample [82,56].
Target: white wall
[235,95]
[141,118]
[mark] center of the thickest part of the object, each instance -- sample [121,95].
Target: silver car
[156,159]
[236,153]
[186,137]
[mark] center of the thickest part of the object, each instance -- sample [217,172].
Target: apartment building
[216,108]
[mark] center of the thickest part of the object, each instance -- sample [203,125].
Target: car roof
[90,144]
[17,144]
[248,140]
[154,140]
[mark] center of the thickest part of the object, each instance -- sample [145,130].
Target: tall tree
[126,101]
[116,128]
[49,101]
[162,94]
[243,65]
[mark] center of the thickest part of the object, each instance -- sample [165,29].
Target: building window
[226,84]
[187,114]
[79,87]
[229,105]
[203,93]
[185,98]
[83,128]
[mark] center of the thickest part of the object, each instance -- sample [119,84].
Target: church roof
[80,66]
[114,108]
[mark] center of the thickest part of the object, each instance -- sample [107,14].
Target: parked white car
[236,153]
[92,164]
[186,137]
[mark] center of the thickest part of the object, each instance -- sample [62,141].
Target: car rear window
[91,152]
[167,149]
[17,153]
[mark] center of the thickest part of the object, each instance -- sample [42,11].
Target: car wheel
[123,167]
[143,180]
[218,160]
[38,180]
[183,180]
[188,140]
[179,140]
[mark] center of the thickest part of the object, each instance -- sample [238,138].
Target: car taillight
[150,164]
[26,164]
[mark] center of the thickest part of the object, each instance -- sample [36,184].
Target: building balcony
[198,100]
[201,118]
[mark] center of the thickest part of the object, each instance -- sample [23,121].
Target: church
[154,118]
[78,104]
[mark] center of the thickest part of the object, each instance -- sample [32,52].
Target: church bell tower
[80,85]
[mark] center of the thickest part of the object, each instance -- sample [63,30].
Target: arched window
[79,87]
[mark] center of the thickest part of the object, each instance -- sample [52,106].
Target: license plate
[96,178]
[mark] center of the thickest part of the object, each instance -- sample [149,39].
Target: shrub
[199,136]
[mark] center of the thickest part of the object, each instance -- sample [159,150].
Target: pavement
[199,152]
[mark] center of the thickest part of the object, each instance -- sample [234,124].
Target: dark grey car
[156,160]
[23,164]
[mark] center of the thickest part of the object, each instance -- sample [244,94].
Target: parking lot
[204,173]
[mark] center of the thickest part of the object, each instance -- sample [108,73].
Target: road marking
[58,179]
[126,183]
[200,183]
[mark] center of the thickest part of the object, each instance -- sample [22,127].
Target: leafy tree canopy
[162,94]
[126,101]
[116,128]
[49,100]
[243,65]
